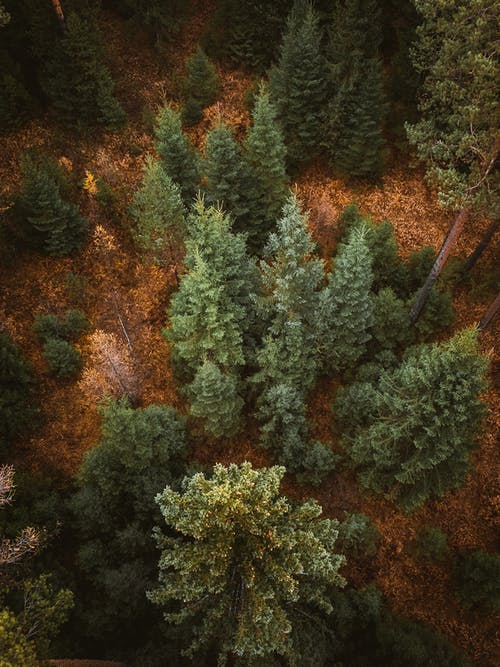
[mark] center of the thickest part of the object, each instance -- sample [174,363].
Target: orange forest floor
[121,292]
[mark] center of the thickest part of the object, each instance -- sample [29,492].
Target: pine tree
[159,214]
[201,81]
[266,153]
[211,316]
[76,79]
[17,410]
[346,305]
[257,545]
[214,397]
[230,182]
[298,84]
[177,154]
[44,217]
[421,422]
[140,451]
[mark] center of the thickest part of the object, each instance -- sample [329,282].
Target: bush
[192,112]
[391,327]
[358,537]
[431,544]
[476,577]
[201,82]
[48,327]
[63,359]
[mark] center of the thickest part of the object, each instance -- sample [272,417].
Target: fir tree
[44,217]
[298,84]
[257,545]
[201,82]
[76,80]
[214,398]
[346,306]
[229,179]
[159,214]
[266,153]
[177,153]
[17,411]
[421,422]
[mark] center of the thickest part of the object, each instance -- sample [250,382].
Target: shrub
[192,112]
[63,359]
[358,537]
[476,577]
[48,327]
[431,544]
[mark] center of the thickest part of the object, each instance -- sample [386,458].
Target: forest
[249,295]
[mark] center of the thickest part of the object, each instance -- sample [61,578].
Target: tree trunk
[489,314]
[59,12]
[453,233]
[479,249]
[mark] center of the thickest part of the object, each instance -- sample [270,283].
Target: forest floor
[120,294]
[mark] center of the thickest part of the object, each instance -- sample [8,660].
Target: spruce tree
[140,451]
[45,219]
[76,79]
[211,316]
[201,81]
[230,182]
[214,398]
[298,84]
[423,417]
[177,154]
[266,153]
[258,546]
[17,410]
[159,214]
[346,305]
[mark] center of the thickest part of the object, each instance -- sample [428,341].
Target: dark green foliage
[161,18]
[431,544]
[201,81]
[192,112]
[75,323]
[70,328]
[114,511]
[298,84]
[43,216]
[76,79]
[411,435]
[214,397]
[391,328]
[257,544]
[17,410]
[230,182]
[358,537]
[177,153]
[266,153]
[15,101]
[63,360]
[346,305]
[476,576]
[437,315]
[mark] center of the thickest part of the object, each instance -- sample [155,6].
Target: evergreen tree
[298,84]
[258,546]
[201,82]
[44,217]
[17,410]
[76,79]
[266,153]
[229,180]
[211,316]
[420,422]
[214,398]
[160,215]
[114,511]
[177,153]
[346,304]
[15,101]
[476,576]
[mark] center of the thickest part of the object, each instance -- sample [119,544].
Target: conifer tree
[76,79]
[177,154]
[44,217]
[201,81]
[17,410]
[258,545]
[266,153]
[298,84]
[346,310]
[211,316]
[230,182]
[414,439]
[140,451]
[214,397]
[160,215]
